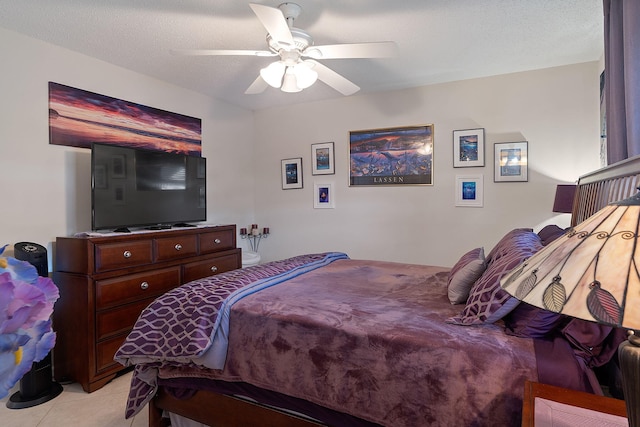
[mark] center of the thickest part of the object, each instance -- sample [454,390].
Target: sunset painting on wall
[78,118]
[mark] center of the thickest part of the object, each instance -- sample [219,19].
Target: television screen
[136,188]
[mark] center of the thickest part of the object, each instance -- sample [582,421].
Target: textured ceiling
[439,40]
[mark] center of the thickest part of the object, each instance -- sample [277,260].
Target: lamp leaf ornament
[603,306]
[555,295]
[526,285]
[515,274]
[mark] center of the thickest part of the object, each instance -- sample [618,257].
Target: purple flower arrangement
[26,305]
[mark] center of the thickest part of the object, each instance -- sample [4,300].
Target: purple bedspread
[369,338]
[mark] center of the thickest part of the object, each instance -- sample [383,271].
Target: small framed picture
[511,161]
[323,197]
[468,148]
[322,159]
[469,190]
[292,173]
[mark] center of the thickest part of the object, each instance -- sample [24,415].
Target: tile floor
[74,407]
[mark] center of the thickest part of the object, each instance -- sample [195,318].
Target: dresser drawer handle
[178,246]
[217,241]
[214,269]
[144,286]
[127,254]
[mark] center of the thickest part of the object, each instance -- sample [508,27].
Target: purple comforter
[369,338]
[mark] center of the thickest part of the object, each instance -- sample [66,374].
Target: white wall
[45,191]
[556,110]
[46,188]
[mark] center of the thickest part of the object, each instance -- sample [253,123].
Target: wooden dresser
[105,282]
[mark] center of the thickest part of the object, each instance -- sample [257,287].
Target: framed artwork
[391,156]
[323,197]
[118,122]
[469,190]
[468,148]
[510,161]
[322,159]
[292,173]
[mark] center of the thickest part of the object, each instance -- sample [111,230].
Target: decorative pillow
[464,274]
[528,321]
[502,247]
[487,301]
[550,233]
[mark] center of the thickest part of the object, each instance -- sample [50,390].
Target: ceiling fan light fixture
[273,73]
[313,52]
[290,82]
[305,75]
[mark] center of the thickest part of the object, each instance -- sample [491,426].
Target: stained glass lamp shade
[592,272]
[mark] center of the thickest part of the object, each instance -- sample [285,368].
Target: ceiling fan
[298,68]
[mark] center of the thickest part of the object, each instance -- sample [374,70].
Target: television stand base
[122,230]
[159,227]
[183,225]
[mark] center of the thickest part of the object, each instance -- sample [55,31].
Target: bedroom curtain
[622,78]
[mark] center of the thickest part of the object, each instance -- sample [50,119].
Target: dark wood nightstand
[579,399]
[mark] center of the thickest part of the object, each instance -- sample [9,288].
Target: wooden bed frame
[597,189]
[229,412]
[594,191]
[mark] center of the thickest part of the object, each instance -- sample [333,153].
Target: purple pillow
[504,244]
[464,274]
[487,301]
[528,321]
[550,233]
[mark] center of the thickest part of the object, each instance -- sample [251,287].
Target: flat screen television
[132,187]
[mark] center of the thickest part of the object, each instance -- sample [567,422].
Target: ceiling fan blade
[258,86]
[225,52]
[334,79]
[353,50]
[275,23]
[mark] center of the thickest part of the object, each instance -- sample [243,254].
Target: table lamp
[563,201]
[592,272]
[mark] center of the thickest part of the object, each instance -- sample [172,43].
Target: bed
[322,339]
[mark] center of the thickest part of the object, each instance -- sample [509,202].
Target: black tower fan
[37,385]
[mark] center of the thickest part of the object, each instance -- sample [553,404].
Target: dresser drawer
[209,267]
[119,320]
[217,241]
[111,256]
[169,248]
[132,287]
[105,351]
